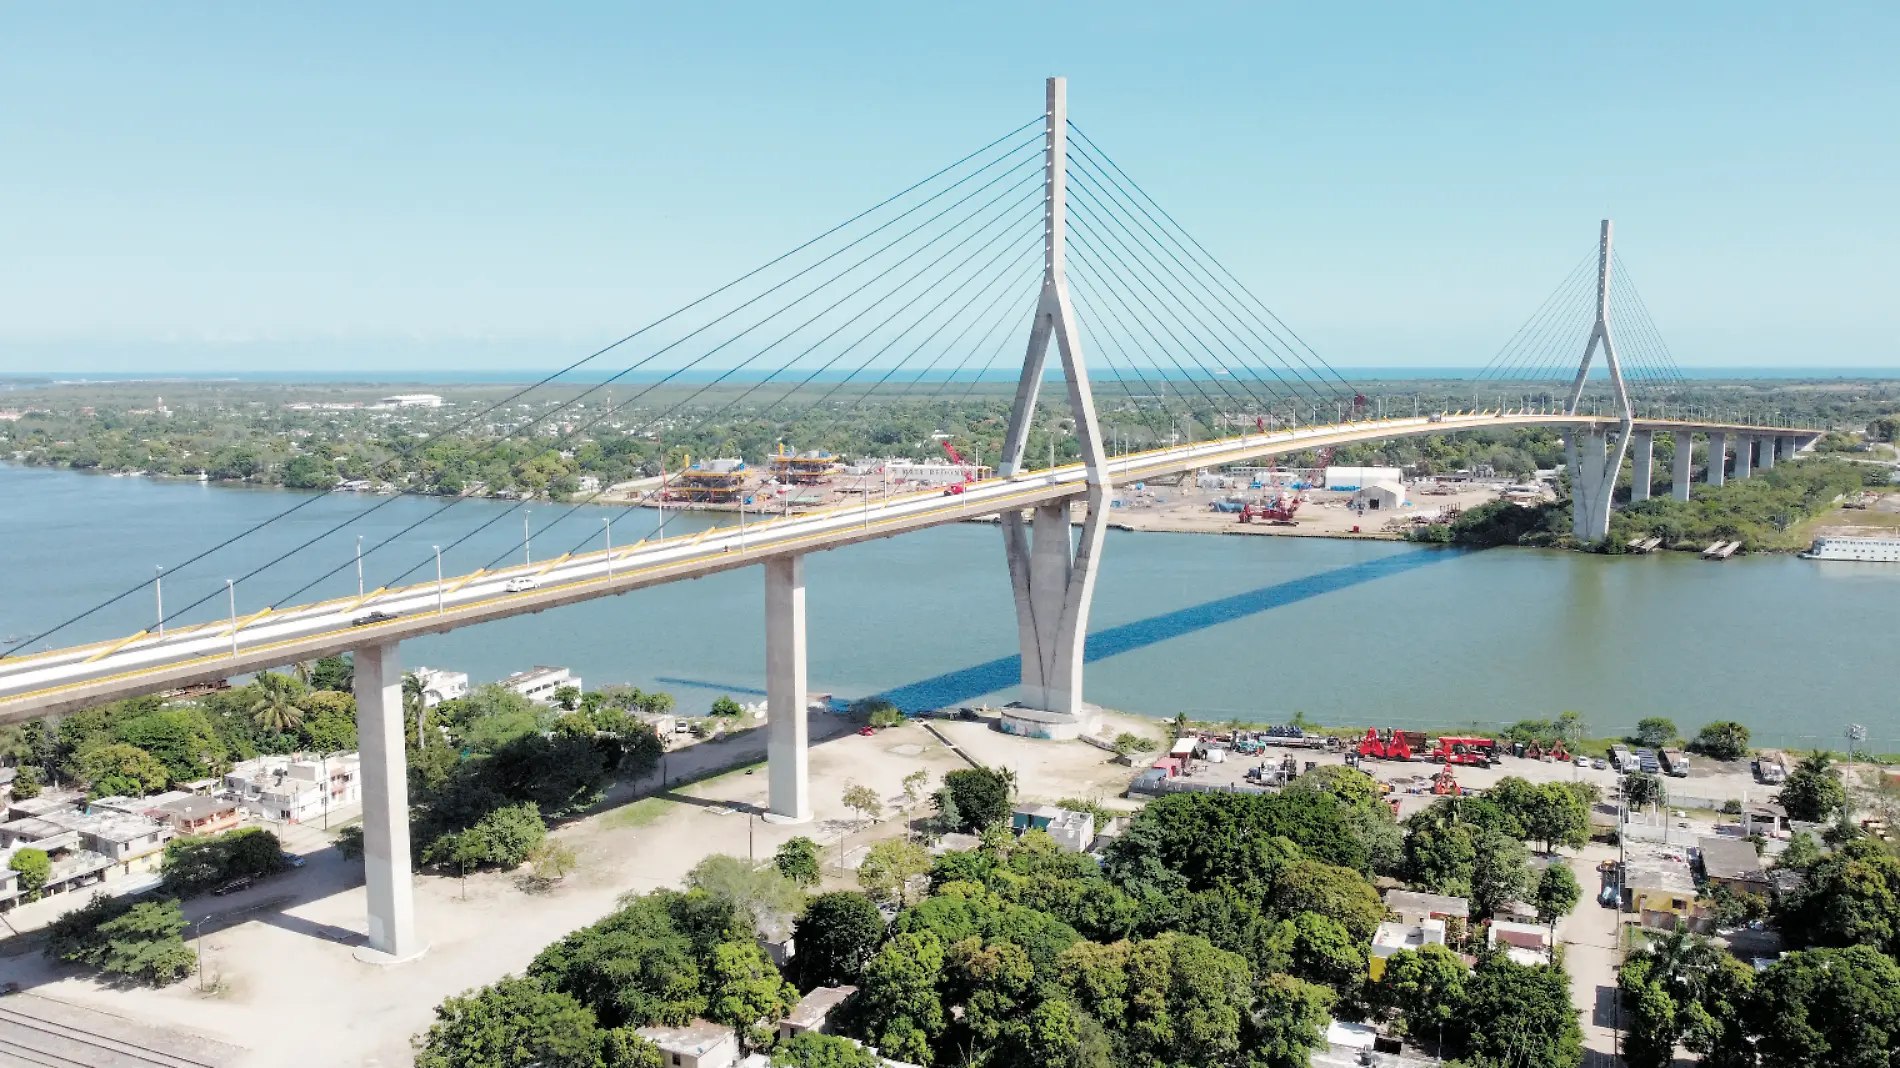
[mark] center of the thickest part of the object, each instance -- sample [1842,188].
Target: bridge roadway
[68,679]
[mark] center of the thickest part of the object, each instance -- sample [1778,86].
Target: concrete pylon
[1591,489]
[1643,457]
[1765,458]
[786,692]
[1591,522]
[1718,457]
[1682,466]
[386,874]
[1744,455]
[1053,582]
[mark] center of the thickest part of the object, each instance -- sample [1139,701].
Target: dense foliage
[195,864]
[127,941]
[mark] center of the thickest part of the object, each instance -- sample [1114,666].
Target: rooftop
[1408,901]
[812,1009]
[1392,937]
[1730,858]
[196,808]
[696,1037]
[1657,869]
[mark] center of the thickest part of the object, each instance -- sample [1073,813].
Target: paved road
[1590,954]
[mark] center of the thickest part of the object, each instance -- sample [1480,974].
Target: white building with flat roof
[412,400]
[286,790]
[440,684]
[539,683]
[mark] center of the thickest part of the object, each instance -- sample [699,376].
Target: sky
[245,187]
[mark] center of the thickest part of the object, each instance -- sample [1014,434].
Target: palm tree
[273,709]
[414,703]
[302,671]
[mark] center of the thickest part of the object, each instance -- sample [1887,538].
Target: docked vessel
[1876,550]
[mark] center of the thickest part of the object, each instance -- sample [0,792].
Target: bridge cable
[411,448]
[1008,190]
[1144,416]
[1508,355]
[1089,145]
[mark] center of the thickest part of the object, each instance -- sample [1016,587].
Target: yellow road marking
[116,646]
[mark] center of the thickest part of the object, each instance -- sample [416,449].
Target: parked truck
[1674,762]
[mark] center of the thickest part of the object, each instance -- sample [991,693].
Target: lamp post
[607,526]
[527,549]
[231,589]
[438,578]
[359,565]
[158,584]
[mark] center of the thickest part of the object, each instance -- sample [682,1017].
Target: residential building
[813,1011]
[1073,831]
[124,841]
[292,789]
[48,801]
[73,867]
[9,882]
[1733,862]
[699,1044]
[439,685]
[1659,887]
[539,684]
[1413,907]
[1525,943]
[1392,937]
[200,815]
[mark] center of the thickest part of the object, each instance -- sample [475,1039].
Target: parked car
[1599,763]
[1583,761]
[292,860]
[867,731]
[378,616]
[233,886]
[522,584]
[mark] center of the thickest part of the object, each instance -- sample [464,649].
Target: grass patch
[640,813]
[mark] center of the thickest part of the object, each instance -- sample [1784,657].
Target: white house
[286,790]
[1392,937]
[699,1044]
[439,685]
[538,685]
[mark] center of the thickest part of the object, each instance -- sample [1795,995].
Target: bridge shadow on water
[967,684]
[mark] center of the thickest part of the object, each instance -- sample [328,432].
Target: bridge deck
[65,679]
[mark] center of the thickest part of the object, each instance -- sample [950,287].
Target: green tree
[877,712]
[1655,732]
[1830,1007]
[1640,789]
[862,800]
[567,698]
[726,706]
[1557,891]
[898,1008]
[516,1023]
[746,993]
[763,897]
[1849,897]
[1551,813]
[798,860]
[1722,740]
[1127,744]
[809,1049]
[836,937]
[1500,871]
[181,737]
[141,942]
[1288,1022]
[34,868]
[1813,792]
[120,769]
[981,797]
[274,705]
[1426,987]
[333,673]
[888,868]
[1350,785]
[1339,894]
[1518,1014]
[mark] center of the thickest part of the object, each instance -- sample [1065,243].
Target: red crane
[964,465]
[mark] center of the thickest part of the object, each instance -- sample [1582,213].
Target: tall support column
[1766,455]
[1744,455]
[1718,457]
[1643,456]
[1054,584]
[786,691]
[1787,445]
[1595,518]
[1682,469]
[386,874]
[1587,489]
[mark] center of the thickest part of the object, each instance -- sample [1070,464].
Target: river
[1250,627]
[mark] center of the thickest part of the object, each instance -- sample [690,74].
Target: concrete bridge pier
[1744,455]
[1788,445]
[1643,456]
[1053,580]
[1682,469]
[1766,460]
[786,692]
[1718,458]
[1590,489]
[386,872]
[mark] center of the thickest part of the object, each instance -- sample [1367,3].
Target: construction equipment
[962,465]
[1478,752]
[1278,511]
[1390,744]
[1444,784]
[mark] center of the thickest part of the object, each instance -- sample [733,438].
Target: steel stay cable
[1088,145]
[1649,322]
[1546,356]
[795,330]
[1088,288]
[1082,239]
[1143,416]
[568,436]
[1096,286]
[575,506]
[1090,189]
[439,435]
[1501,360]
[1630,337]
[1530,356]
[1108,338]
[1085,218]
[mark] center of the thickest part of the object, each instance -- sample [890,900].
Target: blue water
[1249,627]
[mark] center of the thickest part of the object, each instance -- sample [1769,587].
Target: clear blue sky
[273,186]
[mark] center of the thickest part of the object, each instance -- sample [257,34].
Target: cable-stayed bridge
[1034,231]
